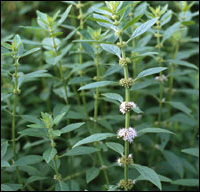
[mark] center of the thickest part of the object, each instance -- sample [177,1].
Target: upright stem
[127,117]
[14,114]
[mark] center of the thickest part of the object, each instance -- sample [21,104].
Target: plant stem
[14,115]
[127,117]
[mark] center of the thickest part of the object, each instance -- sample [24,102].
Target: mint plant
[99,96]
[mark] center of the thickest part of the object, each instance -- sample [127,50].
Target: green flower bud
[126,83]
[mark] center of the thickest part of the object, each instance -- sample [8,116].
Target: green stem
[127,117]
[14,115]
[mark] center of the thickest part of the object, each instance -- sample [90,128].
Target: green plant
[106,98]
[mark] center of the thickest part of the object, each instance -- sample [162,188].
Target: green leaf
[91,174]
[180,106]
[141,85]
[36,74]
[154,130]
[64,16]
[49,154]
[4,147]
[30,52]
[143,28]
[114,96]
[104,21]
[137,110]
[187,182]
[34,132]
[71,127]
[56,133]
[35,178]
[62,186]
[96,84]
[58,118]
[28,160]
[170,31]
[10,187]
[183,63]
[148,174]
[134,20]
[191,151]
[116,147]
[150,71]
[31,118]
[164,179]
[4,163]
[82,150]
[79,80]
[112,49]
[37,126]
[94,138]
[174,161]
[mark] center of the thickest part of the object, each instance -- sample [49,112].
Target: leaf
[112,49]
[141,85]
[114,96]
[36,74]
[143,28]
[187,182]
[4,147]
[150,71]
[103,21]
[154,130]
[182,107]
[148,174]
[56,133]
[62,186]
[174,161]
[4,163]
[134,20]
[91,174]
[35,178]
[191,151]
[28,160]
[49,154]
[71,127]
[94,138]
[64,16]
[80,151]
[37,126]
[58,118]
[96,84]
[30,52]
[137,110]
[34,132]
[31,118]
[116,147]
[183,63]
[79,80]
[170,31]
[10,187]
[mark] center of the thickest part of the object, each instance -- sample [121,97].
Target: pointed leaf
[112,49]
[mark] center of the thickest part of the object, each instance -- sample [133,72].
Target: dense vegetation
[99,95]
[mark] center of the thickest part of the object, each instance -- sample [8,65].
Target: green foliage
[75,75]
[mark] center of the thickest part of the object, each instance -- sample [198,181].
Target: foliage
[78,78]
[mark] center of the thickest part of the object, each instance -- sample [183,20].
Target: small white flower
[118,162]
[161,78]
[127,134]
[126,106]
[130,156]
[134,181]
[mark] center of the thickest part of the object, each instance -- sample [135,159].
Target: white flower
[118,162]
[134,181]
[130,156]
[161,78]
[126,106]
[127,134]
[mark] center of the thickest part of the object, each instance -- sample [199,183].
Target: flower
[126,106]
[161,78]
[119,161]
[127,134]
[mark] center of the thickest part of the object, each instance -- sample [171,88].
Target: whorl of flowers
[127,134]
[126,106]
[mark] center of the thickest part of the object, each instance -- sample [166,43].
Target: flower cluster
[124,160]
[126,185]
[124,61]
[126,83]
[161,78]
[127,134]
[126,106]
